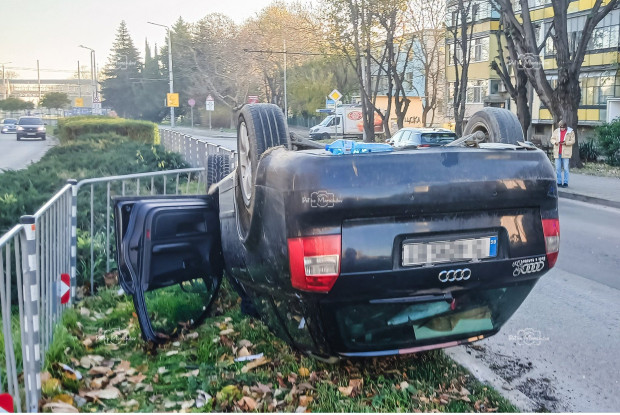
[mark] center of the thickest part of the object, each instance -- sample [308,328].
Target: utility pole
[79,84]
[171,77]
[39,80]
[285,99]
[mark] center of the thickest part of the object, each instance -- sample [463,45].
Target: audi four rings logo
[455,275]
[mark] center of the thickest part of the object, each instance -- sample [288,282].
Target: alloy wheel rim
[245,164]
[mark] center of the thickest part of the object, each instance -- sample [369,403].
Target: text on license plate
[429,253]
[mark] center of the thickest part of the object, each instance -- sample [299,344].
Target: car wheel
[325,136]
[497,124]
[259,128]
[18,138]
[218,167]
[43,138]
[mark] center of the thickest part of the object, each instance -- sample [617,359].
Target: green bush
[588,151]
[608,140]
[69,129]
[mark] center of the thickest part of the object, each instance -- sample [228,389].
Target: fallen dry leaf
[303,372]
[300,410]
[193,335]
[254,364]
[63,397]
[226,332]
[61,407]
[403,385]
[243,352]
[244,343]
[187,404]
[202,399]
[123,366]
[247,404]
[133,404]
[99,370]
[162,370]
[262,389]
[346,390]
[99,383]
[120,377]
[172,353]
[108,393]
[137,378]
[304,400]
[191,373]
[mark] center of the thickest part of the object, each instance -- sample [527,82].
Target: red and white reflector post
[6,403]
[65,288]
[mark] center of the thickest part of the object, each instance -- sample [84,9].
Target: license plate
[436,252]
[32,133]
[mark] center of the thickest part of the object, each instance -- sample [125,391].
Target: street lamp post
[93,71]
[171,77]
[4,79]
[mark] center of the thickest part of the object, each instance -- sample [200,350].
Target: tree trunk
[523,107]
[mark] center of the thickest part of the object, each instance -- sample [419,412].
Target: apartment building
[599,81]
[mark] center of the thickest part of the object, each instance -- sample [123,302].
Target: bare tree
[461,31]
[506,70]
[427,21]
[563,100]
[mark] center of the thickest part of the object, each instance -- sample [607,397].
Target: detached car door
[169,259]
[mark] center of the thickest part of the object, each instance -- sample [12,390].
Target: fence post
[74,192]
[32,360]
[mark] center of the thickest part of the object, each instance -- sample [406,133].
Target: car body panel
[8,125]
[378,203]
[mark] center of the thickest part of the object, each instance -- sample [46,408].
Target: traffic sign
[172,99]
[65,288]
[6,403]
[191,102]
[335,95]
[79,102]
[210,103]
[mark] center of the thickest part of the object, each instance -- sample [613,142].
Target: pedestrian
[562,139]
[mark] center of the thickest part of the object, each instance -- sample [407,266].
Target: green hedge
[69,129]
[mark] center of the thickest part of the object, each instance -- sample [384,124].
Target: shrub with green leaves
[588,150]
[608,140]
[69,129]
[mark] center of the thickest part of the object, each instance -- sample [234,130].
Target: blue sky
[51,30]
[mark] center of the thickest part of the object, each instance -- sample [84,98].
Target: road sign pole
[209,120]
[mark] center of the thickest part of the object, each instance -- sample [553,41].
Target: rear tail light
[551,229]
[314,262]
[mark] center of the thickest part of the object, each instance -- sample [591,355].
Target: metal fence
[195,151]
[71,235]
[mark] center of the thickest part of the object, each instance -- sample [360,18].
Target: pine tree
[122,74]
[152,88]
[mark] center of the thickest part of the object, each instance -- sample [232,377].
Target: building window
[476,91]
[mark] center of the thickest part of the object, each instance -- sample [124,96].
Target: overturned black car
[361,254]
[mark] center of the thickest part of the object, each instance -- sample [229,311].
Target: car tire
[497,124]
[325,136]
[43,138]
[259,128]
[218,167]
[18,137]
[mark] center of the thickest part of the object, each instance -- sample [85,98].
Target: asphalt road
[15,155]
[570,363]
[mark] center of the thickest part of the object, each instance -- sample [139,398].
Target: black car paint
[376,201]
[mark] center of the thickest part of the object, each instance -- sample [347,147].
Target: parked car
[366,254]
[422,137]
[9,125]
[31,127]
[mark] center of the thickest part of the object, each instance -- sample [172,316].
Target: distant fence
[36,254]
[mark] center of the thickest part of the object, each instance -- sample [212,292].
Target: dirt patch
[510,368]
[542,392]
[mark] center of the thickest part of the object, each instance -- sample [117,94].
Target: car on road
[422,137]
[9,125]
[30,127]
[353,254]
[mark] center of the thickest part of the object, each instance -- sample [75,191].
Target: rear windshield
[30,121]
[437,138]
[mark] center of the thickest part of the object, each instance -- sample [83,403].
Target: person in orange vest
[562,139]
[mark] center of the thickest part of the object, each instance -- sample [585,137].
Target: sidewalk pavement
[592,189]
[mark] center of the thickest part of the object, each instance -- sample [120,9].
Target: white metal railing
[36,254]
